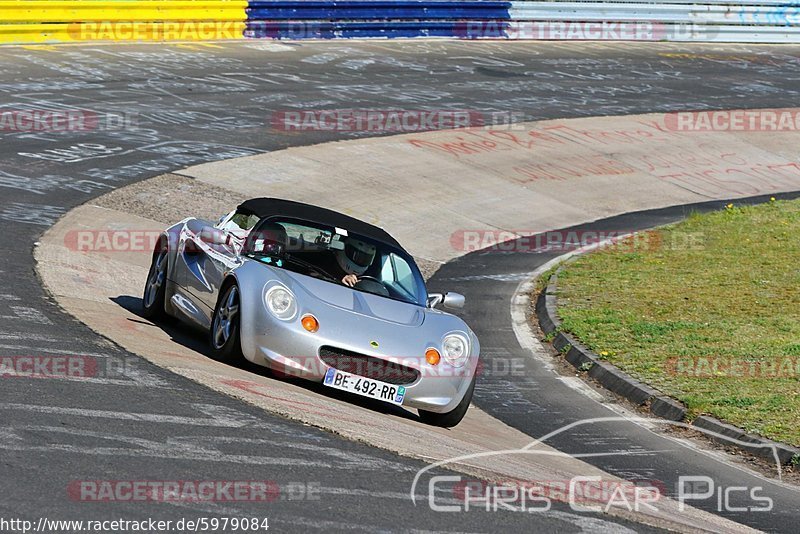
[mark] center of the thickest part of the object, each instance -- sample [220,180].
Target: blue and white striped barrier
[400,10]
[351,29]
[282,19]
[770,21]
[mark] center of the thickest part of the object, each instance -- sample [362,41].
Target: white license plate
[366,387]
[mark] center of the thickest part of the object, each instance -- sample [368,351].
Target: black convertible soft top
[270,207]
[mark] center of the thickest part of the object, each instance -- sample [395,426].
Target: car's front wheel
[155,289]
[453,417]
[225,327]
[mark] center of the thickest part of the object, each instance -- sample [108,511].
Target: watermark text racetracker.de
[106,240]
[464,240]
[737,120]
[634,30]
[60,366]
[106,30]
[143,240]
[173,490]
[29,120]
[530,241]
[738,367]
[71,366]
[391,120]
[127,367]
[390,367]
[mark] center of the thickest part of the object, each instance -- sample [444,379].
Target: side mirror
[454,300]
[449,300]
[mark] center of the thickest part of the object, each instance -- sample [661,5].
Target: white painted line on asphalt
[586,524]
[122,367]
[362,460]
[591,524]
[24,313]
[573,382]
[211,508]
[148,449]
[48,350]
[192,445]
[328,526]
[356,492]
[217,416]
[509,277]
[8,434]
[28,336]
[143,378]
[103,381]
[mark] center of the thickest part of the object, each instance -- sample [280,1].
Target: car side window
[403,275]
[387,270]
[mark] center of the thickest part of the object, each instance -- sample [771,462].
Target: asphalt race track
[201,102]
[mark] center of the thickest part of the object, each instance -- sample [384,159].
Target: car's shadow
[197,341]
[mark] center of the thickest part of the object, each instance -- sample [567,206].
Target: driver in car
[354,260]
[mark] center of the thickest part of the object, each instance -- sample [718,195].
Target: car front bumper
[286,348]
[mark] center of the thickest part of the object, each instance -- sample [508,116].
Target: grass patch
[707,311]
[544,279]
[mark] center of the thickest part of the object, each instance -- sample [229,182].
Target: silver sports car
[317,294]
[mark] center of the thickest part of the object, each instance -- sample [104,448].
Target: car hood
[345,298]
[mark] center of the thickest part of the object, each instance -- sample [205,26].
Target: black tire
[224,335]
[155,288]
[453,417]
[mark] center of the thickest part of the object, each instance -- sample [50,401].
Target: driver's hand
[350,280]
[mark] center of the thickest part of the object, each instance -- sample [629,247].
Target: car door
[205,255]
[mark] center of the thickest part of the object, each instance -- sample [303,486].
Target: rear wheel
[453,417]
[155,289]
[225,334]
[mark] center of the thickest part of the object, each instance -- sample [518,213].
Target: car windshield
[330,254]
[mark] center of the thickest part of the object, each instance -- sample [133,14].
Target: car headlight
[281,303]
[455,349]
